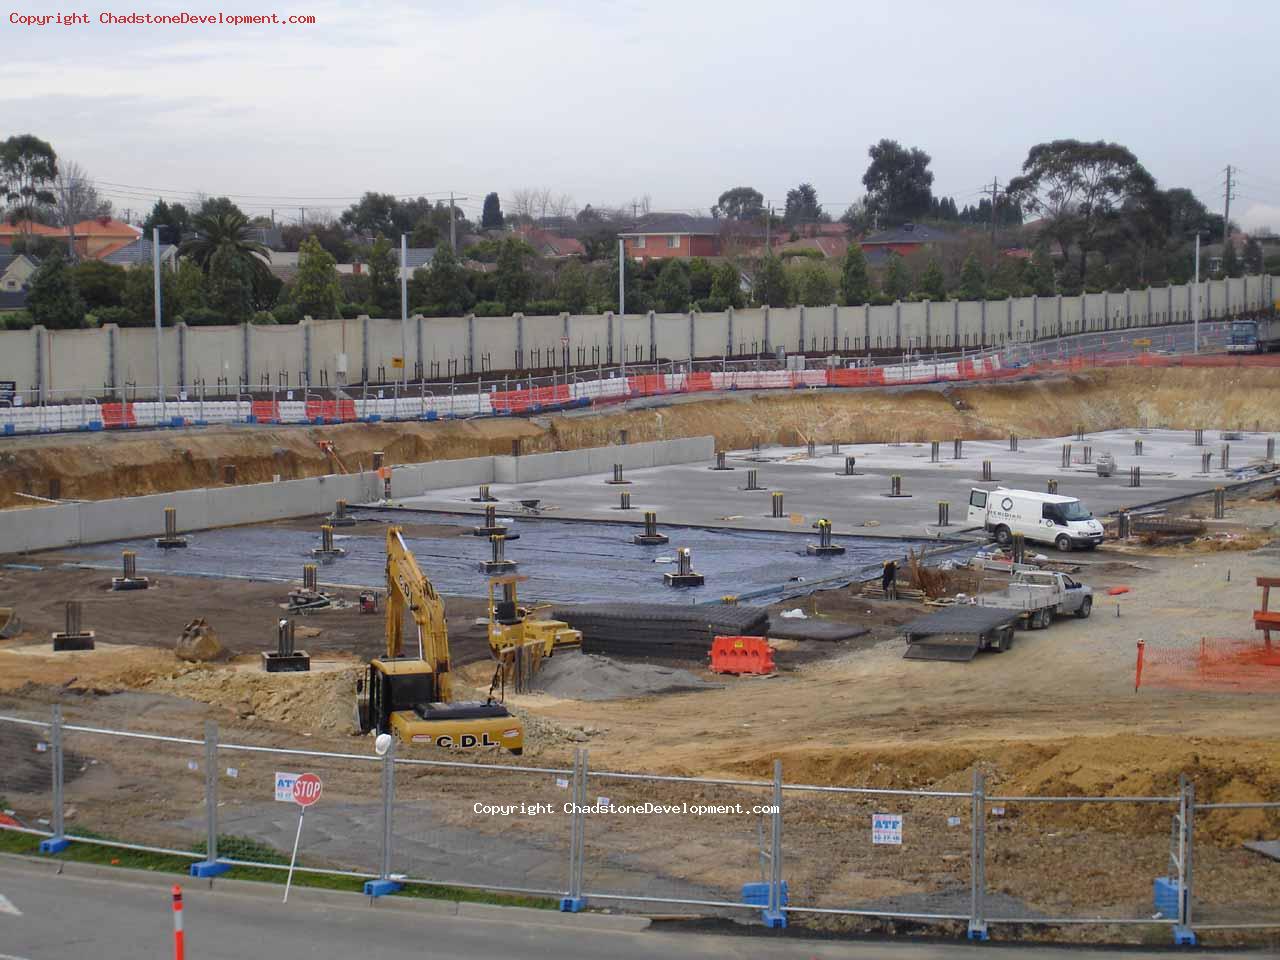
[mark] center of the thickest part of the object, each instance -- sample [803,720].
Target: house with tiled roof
[15,277]
[93,238]
[831,247]
[547,243]
[665,236]
[140,251]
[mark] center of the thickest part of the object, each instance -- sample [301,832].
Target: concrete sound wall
[69,363]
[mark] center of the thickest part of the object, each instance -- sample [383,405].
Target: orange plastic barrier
[741,655]
[344,410]
[265,411]
[118,415]
[1116,591]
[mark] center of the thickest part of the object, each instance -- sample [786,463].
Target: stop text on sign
[306,789]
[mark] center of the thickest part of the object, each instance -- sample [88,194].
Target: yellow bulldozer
[511,625]
[410,696]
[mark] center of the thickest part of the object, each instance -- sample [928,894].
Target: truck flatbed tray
[959,620]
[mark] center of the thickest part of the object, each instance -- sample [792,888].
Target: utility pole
[273,217]
[995,189]
[768,222]
[453,239]
[302,211]
[1226,215]
[1195,317]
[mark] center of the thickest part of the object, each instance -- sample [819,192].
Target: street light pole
[155,268]
[1195,317]
[404,305]
[622,302]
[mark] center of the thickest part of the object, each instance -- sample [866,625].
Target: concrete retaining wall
[68,524]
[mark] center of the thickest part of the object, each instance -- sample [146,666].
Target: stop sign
[306,790]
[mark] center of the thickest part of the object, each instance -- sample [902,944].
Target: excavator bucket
[10,624]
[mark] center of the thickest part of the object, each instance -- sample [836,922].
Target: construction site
[1048,592]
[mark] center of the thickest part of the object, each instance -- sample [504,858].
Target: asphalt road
[47,916]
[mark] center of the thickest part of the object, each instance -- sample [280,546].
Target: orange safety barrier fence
[1217,664]
[741,655]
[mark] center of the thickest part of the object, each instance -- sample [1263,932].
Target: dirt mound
[584,676]
[1223,771]
[115,464]
[319,700]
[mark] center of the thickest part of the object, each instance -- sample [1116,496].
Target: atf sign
[306,790]
[284,786]
[886,828]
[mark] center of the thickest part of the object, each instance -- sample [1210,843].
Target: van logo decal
[1006,503]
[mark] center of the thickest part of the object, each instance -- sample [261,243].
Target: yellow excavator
[411,697]
[511,625]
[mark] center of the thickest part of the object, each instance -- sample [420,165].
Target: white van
[1047,517]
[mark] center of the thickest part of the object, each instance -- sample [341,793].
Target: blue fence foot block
[200,423]
[206,869]
[979,931]
[774,920]
[1184,936]
[9,429]
[54,845]
[380,888]
[573,904]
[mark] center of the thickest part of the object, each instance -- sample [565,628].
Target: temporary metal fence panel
[493,826]
[974,857]
[27,752]
[633,824]
[134,789]
[257,818]
[877,852]
[1235,873]
[1089,860]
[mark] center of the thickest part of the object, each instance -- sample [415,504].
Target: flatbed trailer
[956,633]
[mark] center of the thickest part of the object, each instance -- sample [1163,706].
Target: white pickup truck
[1040,596]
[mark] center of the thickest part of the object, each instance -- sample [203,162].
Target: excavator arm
[408,587]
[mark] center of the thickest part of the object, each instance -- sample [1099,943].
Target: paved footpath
[126,915]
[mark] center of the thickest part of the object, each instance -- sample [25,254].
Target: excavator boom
[412,695]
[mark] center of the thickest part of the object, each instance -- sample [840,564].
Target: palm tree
[220,228]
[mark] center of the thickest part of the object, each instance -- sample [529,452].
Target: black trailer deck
[956,633]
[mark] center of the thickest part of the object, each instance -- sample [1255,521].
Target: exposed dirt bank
[103,465]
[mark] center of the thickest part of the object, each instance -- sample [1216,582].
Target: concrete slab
[692,494]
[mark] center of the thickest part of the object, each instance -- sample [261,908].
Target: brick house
[667,236]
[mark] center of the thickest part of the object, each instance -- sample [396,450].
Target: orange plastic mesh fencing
[1217,663]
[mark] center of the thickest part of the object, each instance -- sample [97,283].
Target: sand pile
[584,676]
[319,700]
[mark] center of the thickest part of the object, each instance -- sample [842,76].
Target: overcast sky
[610,101]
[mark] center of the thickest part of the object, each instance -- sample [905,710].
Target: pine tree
[491,218]
[316,291]
[855,285]
[973,285]
[932,284]
[513,281]
[897,282]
